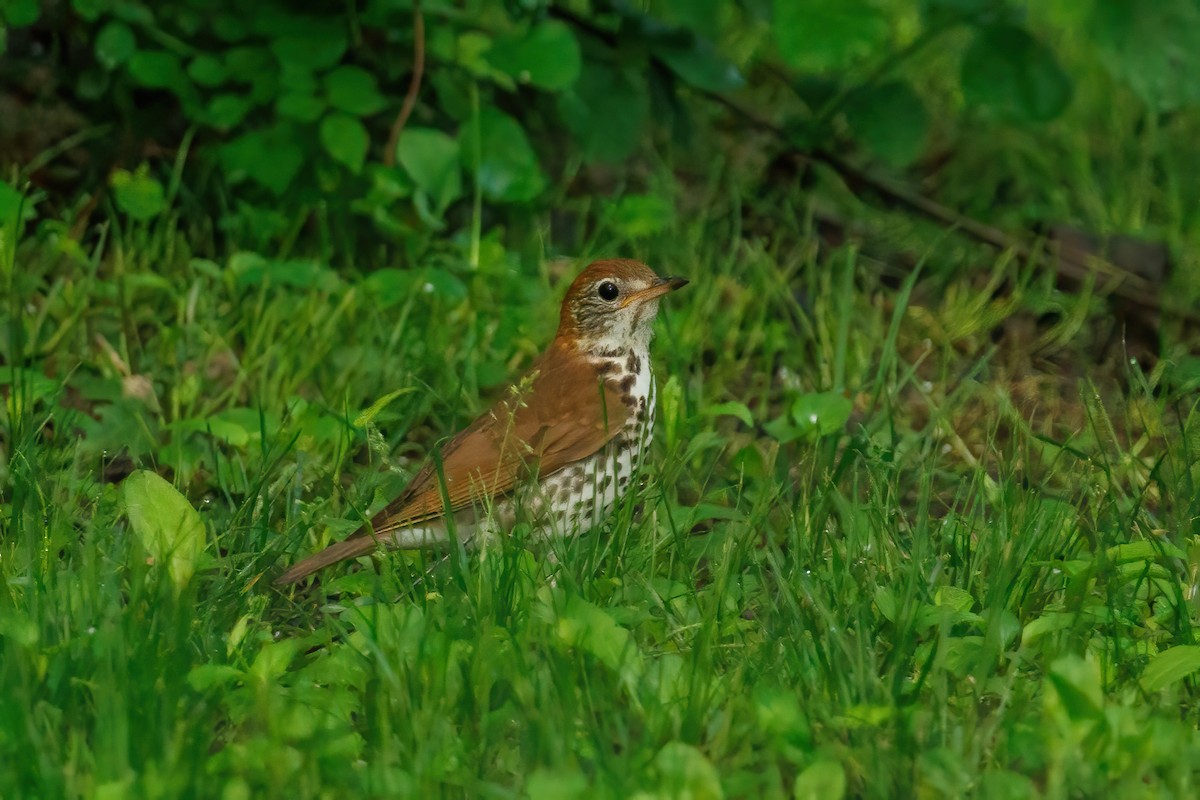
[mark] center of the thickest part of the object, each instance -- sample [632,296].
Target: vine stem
[414,86]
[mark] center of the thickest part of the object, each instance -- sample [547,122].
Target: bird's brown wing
[562,412]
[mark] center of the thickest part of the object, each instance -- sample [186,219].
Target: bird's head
[612,306]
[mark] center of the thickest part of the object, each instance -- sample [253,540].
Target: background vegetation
[923,514]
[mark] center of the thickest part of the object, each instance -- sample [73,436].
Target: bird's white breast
[582,495]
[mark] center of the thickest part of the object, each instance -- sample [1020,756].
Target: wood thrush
[558,449]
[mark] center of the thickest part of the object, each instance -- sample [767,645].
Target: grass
[868,559]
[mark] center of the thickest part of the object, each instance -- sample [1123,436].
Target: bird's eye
[608,291]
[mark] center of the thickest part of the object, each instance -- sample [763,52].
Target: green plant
[292,106]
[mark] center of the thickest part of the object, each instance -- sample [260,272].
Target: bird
[560,446]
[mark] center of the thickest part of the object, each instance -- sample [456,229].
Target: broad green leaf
[270,157]
[432,158]
[226,111]
[1183,374]
[136,14]
[666,679]
[702,16]
[890,120]
[257,423]
[389,286]
[452,93]
[115,43]
[442,283]
[590,628]
[1014,75]
[783,429]
[469,50]
[265,87]
[353,90]
[1171,665]
[137,194]
[1050,622]
[508,170]
[1077,689]
[311,50]
[684,771]
[251,269]
[1154,47]
[297,79]
[158,69]
[885,601]
[606,111]
[244,63]
[300,106]
[731,409]
[230,27]
[821,413]
[953,597]
[547,56]
[207,70]
[820,35]
[1144,550]
[822,780]
[207,676]
[346,140]
[698,63]
[272,661]
[20,13]
[228,431]
[929,616]
[166,524]
[778,712]
[88,9]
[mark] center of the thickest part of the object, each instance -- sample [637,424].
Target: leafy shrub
[293,103]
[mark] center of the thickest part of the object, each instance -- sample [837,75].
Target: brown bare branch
[414,85]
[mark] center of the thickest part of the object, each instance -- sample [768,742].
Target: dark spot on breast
[641,412]
[608,479]
[609,352]
[607,367]
[627,383]
[577,483]
[633,363]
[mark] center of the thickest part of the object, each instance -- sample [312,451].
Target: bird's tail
[353,547]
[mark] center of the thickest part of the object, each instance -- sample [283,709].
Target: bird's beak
[664,286]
